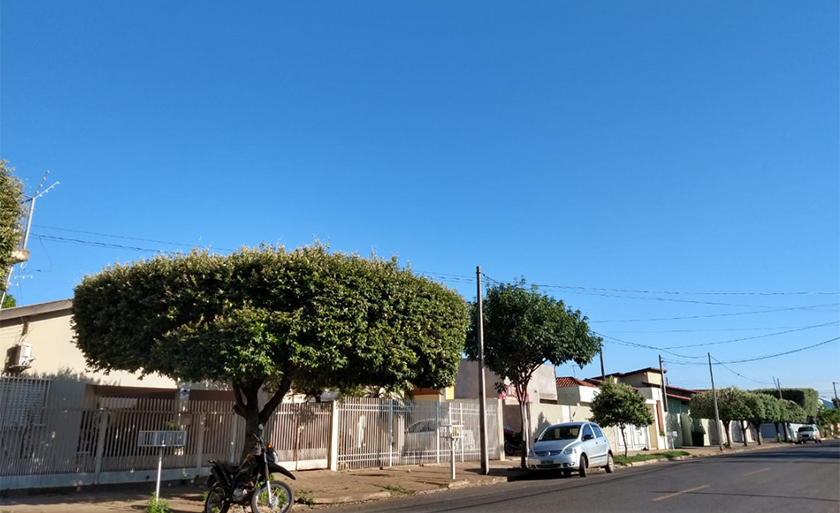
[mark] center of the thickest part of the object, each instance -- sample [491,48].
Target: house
[38,342]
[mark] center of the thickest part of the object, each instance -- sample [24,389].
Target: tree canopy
[731,406]
[619,405]
[523,329]
[267,317]
[11,214]
[807,398]
[761,408]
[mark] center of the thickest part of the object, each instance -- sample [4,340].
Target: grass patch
[622,460]
[398,489]
[305,497]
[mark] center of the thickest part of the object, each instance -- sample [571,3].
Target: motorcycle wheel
[216,502]
[281,499]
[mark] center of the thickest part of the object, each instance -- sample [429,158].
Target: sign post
[161,440]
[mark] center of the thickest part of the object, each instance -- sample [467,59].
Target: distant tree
[731,406]
[762,408]
[828,419]
[274,320]
[11,214]
[807,398]
[619,405]
[523,329]
[9,301]
[792,412]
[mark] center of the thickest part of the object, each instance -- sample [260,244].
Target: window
[597,430]
[587,431]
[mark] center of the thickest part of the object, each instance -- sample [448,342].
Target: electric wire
[833,323]
[741,375]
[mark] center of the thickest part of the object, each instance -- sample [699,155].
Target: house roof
[597,382]
[19,312]
[567,381]
[680,397]
[638,371]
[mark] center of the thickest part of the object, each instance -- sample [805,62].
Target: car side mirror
[588,437]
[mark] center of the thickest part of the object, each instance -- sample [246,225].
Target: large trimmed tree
[619,405]
[731,406]
[274,320]
[524,329]
[762,408]
[11,214]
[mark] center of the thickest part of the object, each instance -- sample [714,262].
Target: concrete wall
[46,327]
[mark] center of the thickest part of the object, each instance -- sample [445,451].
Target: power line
[670,292]
[705,330]
[643,346]
[101,244]
[757,358]
[741,375]
[811,307]
[120,236]
[785,353]
[754,337]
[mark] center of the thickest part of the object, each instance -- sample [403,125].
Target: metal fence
[44,438]
[387,432]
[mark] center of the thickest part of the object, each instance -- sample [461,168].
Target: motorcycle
[513,442]
[249,483]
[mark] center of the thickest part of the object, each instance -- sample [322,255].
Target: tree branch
[239,407]
[283,388]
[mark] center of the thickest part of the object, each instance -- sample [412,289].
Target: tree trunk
[757,427]
[624,438]
[526,438]
[246,394]
[743,425]
[728,436]
[776,425]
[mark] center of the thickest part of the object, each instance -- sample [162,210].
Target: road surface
[798,478]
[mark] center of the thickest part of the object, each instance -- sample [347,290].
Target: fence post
[500,428]
[390,432]
[334,421]
[199,444]
[100,445]
[437,432]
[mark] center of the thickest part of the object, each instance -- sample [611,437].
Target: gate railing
[86,445]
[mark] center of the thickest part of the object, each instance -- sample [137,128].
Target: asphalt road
[797,478]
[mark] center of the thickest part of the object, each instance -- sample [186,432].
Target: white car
[571,446]
[808,434]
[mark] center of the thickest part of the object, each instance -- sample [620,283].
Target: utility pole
[664,401]
[482,393]
[778,383]
[836,401]
[603,374]
[714,399]
[31,200]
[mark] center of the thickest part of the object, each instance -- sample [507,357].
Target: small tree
[791,412]
[523,329]
[761,408]
[11,214]
[269,319]
[619,405]
[731,406]
[828,418]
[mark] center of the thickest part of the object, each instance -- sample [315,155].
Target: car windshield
[560,433]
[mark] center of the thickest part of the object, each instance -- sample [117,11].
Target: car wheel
[583,464]
[610,468]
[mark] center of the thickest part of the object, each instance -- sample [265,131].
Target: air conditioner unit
[19,357]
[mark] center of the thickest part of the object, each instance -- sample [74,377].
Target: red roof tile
[572,382]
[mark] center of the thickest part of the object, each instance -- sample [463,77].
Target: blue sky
[668,168]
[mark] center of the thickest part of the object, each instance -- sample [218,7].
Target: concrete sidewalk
[313,489]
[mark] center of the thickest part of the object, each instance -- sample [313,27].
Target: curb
[352,498]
